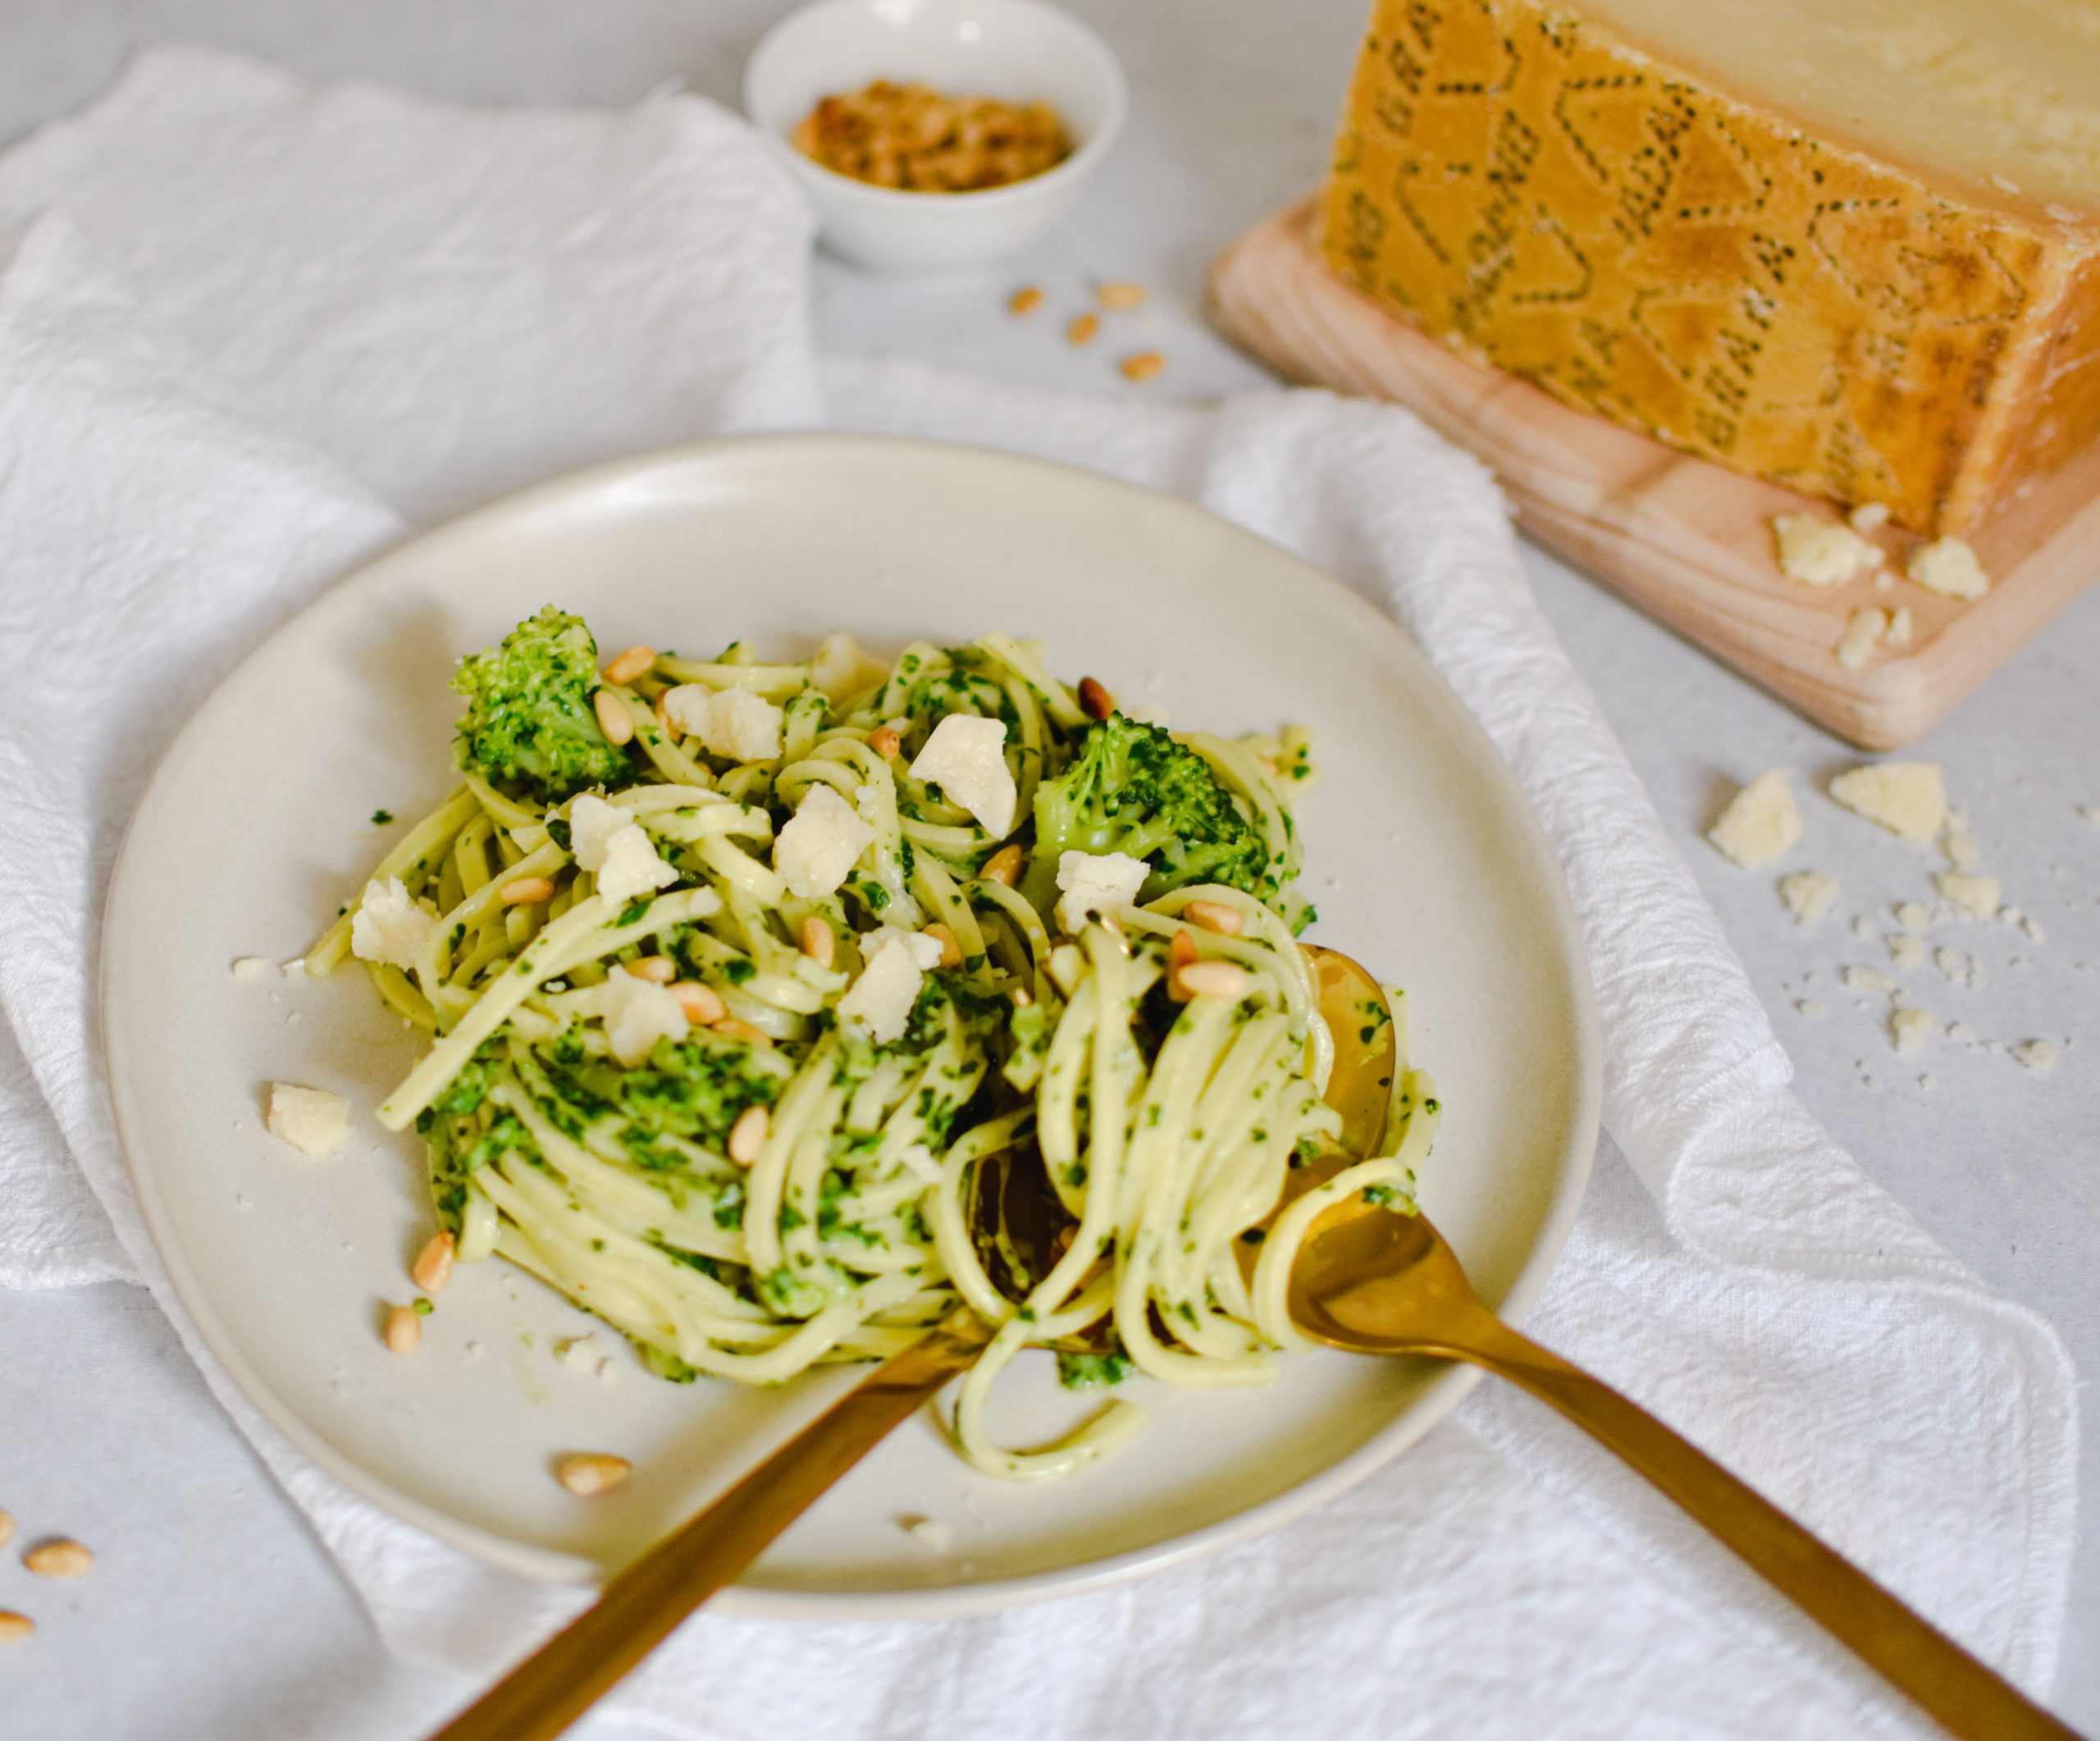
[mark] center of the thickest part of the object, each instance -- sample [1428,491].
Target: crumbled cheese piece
[1907,950]
[736,724]
[2033,928]
[1869,978]
[1961,1033]
[1808,895]
[1815,1009]
[293,969]
[2036,1055]
[965,757]
[637,1013]
[1973,894]
[1905,797]
[2011,915]
[311,1120]
[1959,845]
[1949,567]
[608,841]
[389,926]
[844,668]
[1862,926]
[1901,625]
[1927,1083]
[819,844]
[578,1351]
[894,966]
[1950,962]
[1869,517]
[929,1532]
[2089,813]
[1861,633]
[1821,553]
[1910,1029]
[1760,822]
[1096,883]
[1911,916]
[250,968]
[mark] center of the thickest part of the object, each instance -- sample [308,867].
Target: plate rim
[1571,1173]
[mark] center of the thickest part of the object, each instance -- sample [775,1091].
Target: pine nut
[433,1264]
[951,950]
[1226,979]
[60,1558]
[659,970]
[404,1330]
[1082,330]
[1215,916]
[1122,295]
[1181,952]
[1141,366]
[1003,866]
[586,1472]
[1025,300]
[747,1134]
[6,1528]
[703,1004]
[1095,702]
[884,741]
[630,665]
[613,719]
[735,1027]
[525,891]
[14,1625]
[818,943]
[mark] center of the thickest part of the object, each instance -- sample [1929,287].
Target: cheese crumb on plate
[1949,567]
[1809,895]
[311,1120]
[1822,553]
[1976,895]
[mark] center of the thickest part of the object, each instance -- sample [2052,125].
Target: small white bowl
[1018,50]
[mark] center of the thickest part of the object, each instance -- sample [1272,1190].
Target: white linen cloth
[252,328]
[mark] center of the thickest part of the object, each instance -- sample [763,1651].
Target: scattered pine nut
[1083,330]
[818,943]
[1123,295]
[14,1625]
[1003,866]
[703,1004]
[59,1559]
[659,970]
[951,950]
[404,1330]
[1226,979]
[613,719]
[630,665]
[1143,365]
[735,1027]
[433,1265]
[585,1473]
[6,1528]
[884,742]
[747,1135]
[1214,915]
[1025,300]
[526,891]
[1095,702]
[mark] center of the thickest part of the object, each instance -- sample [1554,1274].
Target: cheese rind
[1755,266]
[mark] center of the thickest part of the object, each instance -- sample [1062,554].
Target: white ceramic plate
[1422,855]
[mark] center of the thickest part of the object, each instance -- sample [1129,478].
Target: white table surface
[214,1614]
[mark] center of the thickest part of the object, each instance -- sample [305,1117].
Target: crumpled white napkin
[252,318]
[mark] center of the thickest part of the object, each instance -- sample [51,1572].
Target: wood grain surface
[1688,541]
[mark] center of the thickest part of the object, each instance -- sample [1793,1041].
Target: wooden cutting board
[1688,541]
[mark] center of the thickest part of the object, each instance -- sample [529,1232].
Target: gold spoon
[1367,1280]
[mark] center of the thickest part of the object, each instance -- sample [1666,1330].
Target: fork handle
[1967,1699]
[641,1606]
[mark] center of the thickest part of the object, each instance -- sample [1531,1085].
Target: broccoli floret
[529,723]
[1134,788]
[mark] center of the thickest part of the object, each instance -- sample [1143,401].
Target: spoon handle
[1966,1697]
[644,1603]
